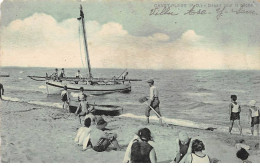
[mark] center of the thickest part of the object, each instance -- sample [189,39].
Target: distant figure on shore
[243,155]
[140,149]
[62,74]
[234,113]
[153,101]
[182,147]
[82,98]
[78,75]
[1,91]
[101,141]
[253,117]
[197,156]
[55,75]
[65,98]
[83,135]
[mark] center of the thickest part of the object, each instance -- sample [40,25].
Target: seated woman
[101,141]
[83,134]
[197,156]
[140,149]
[182,147]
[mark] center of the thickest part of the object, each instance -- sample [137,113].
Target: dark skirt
[235,116]
[254,121]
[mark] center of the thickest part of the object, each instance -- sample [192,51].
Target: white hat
[183,136]
[252,103]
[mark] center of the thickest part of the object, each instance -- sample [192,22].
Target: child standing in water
[253,116]
[234,112]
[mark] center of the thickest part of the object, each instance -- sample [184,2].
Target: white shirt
[235,108]
[64,92]
[198,159]
[153,92]
[254,112]
[78,75]
[82,133]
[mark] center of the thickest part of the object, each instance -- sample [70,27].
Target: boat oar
[144,100]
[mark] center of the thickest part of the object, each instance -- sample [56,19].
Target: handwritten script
[218,10]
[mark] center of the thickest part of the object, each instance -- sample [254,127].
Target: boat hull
[107,110]
[90,89]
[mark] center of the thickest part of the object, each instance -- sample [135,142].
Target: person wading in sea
[153,101]
[1,91]
[65,98]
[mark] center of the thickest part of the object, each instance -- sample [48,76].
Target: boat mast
[85,41]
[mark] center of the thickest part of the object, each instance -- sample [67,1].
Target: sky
[123,34]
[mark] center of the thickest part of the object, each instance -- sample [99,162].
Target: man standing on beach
[153,102]
[1,90]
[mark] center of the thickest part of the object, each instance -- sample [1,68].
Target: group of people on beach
[253,115]
[93,135]
[141,148]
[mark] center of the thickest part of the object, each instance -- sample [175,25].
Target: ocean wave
[203,90]
[199,94]
[20,78]
[42,87]
[48,104]
[188,123]
[198,104]
[15,88]
[11,99]
[178,122]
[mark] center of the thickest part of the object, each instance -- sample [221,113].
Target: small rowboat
[4,75]
[107,110]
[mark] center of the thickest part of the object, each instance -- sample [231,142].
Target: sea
[192,98]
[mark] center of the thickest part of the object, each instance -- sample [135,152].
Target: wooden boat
[96,89]
[90,84]
[4,75]
[108,110]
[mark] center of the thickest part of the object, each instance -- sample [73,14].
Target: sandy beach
[32,133]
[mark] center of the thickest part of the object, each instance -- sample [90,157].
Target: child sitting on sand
[83,134]
[140,149]
[96,119]
[197,156]
[234,113]
[253,116]
[182,147]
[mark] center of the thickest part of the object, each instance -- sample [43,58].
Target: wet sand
[32,133]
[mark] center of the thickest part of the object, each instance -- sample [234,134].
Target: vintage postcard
[130,81]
